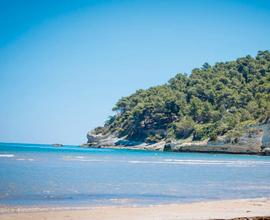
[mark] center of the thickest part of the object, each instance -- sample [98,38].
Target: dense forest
[212,101]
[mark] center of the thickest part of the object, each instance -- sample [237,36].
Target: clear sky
[63,64]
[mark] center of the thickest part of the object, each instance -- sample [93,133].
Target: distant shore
[225,209]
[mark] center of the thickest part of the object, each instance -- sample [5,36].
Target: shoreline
[180,151]
[202,151]
[251,142]
[220,209]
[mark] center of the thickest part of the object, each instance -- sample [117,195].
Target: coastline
[192,149]
[205,149]
[221,209]
[256,142]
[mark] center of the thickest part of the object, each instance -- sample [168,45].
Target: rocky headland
[224,108]
[254,140]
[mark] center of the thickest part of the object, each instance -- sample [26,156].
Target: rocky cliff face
[254,140]
[101,140]
[266,140]
[112,141]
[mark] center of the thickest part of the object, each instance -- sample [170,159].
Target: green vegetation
[210,102]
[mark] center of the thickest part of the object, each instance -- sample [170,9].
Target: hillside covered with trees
[212,101]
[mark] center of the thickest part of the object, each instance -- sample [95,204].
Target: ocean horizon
[44,175]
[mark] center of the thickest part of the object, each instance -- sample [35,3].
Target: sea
[45,175]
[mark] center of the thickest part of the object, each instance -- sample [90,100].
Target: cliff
[254,140]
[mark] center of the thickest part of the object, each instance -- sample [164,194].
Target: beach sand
[225,209]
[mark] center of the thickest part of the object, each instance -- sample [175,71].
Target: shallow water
[73,176]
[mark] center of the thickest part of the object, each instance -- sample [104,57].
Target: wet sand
[225,209]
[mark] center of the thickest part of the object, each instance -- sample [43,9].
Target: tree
[211,101]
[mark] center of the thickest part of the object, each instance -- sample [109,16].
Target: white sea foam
[233,163]
[203,162]
[7,155]
[24,159]
[82,158]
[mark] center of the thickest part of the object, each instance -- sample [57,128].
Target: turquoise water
[69,175]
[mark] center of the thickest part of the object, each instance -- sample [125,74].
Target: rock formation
[254,140]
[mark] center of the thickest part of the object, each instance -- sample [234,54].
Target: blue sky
[63,64]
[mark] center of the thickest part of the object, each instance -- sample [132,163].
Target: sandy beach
[226,209]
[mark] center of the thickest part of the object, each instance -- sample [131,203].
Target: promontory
[223,108]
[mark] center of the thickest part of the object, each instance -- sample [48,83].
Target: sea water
[74,176]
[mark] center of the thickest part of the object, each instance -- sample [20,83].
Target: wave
[7,155]
[26,159]
[82,158]
[234,163]
[203,162]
